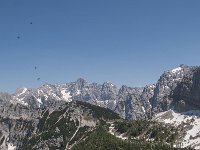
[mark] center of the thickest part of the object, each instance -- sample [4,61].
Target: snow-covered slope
[42,94]
[188,121]
[176,70]
[11,147]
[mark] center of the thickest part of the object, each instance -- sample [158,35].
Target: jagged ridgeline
[176,88]
[50,128]
[75,125]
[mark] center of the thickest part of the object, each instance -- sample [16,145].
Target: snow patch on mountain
[55,96]
[21,92]
[143,109]
[78,92]
[176,70]
[189,120]
[24,91]
[11,147]
[66,96]
[40,101]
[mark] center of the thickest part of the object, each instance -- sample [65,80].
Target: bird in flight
[18,37]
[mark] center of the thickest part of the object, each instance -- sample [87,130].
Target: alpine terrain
[81,115]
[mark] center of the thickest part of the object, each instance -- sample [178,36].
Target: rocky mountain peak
[124,89]
[187,92]
[183,66]
[154,96]
[108,84]
[166,84]
[81,83]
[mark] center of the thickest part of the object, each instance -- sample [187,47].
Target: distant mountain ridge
[129,102]
[106,95]
[60,116]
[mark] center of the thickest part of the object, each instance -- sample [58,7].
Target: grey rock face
[177,89]
[168,81]
[108,91]
[128,98]
[186,95]
[16,122]
[146,98]
[134,108]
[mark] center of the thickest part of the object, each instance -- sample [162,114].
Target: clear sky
[124,41]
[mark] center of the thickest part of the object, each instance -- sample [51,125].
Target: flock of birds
[38,79]
[18,37]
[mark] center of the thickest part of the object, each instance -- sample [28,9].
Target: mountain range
[174,89]
[36,113]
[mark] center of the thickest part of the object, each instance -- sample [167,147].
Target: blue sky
[127,42]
